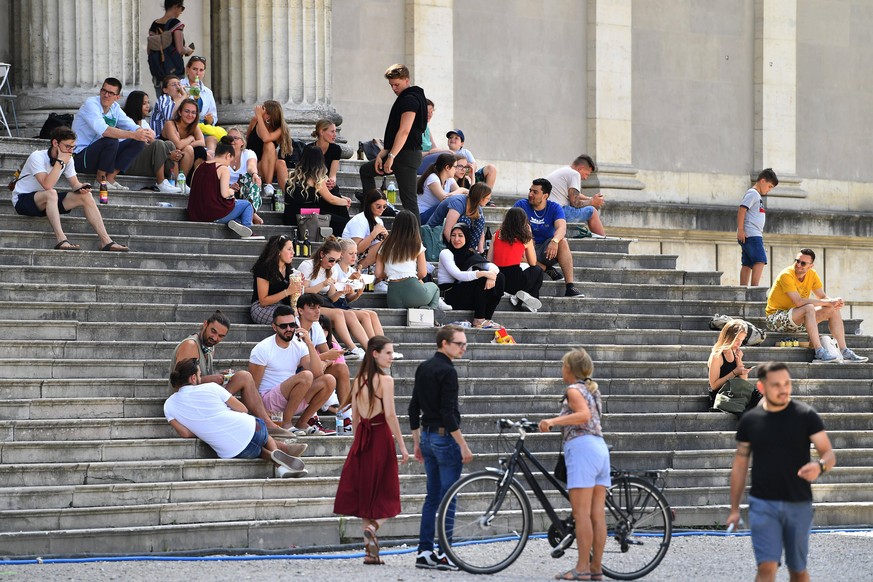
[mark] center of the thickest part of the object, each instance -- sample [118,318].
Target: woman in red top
[212,200]
[512,243]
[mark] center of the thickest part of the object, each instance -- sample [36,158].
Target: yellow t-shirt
[778,299]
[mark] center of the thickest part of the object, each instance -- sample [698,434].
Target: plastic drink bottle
[104,193]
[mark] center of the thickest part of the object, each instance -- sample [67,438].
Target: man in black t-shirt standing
[778,433]
[402,153]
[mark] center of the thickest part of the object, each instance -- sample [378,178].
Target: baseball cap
[459,133]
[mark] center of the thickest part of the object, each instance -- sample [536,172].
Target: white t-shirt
[38,163]
[428,199]
[316,334]
[562,180]
[358,227]
[306,270]
[279,363]
[403,270]
[202,410]
[244,158]
[467,154]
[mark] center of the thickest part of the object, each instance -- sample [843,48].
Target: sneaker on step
[168,188]
[850,356]
[347,425]
[822,355]
[426,560]
[443,306]
[241,230]
[526,301]
[320,429]
[572,291]
[286,473]
[116,186]
[269,190]
[398,356]
[381,287]
[355,354]
[554,273]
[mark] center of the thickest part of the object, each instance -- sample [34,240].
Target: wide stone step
[849,461]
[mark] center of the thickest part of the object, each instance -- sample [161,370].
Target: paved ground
[847,557]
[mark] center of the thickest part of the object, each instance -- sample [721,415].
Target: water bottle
[340,424]
[180,181]
[392,192]
[104,193]
[279,201]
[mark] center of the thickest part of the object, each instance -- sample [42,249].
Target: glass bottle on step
[392,191]
[307,246]
[104,192]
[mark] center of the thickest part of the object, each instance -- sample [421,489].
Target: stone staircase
[88,465]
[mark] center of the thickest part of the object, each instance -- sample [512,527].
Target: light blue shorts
[587,462]
[780,524]
[573,214]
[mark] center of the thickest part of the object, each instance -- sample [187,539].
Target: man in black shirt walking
[436,431]
[778,433]
[402,153]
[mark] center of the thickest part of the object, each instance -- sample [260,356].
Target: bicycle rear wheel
[639,525]
[481,528]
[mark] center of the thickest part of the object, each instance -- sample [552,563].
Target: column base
[789,186]
[613,178]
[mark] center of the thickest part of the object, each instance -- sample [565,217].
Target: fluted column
[272,49]
[64,50]
[610,99]
[776,94]
[429,50]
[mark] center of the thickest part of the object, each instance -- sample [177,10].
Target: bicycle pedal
[557,553]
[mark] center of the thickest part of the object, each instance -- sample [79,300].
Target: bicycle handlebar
[522,425]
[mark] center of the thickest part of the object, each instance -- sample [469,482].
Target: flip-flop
[573,575]
[115,247]
[70,246]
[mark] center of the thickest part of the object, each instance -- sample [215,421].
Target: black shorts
[26,205]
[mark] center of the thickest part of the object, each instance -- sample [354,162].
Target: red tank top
[205,202]
[506,254]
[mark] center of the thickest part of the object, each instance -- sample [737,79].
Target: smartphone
[82,187]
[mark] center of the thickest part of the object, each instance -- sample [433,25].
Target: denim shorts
[587,460]
[253,449]
[780,524]
[753,251]
[573,214]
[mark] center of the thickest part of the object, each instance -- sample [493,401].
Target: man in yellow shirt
[797,302]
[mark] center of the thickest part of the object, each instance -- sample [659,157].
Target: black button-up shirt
[434,401]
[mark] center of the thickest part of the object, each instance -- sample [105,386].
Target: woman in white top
[468,279]
[244,175]
[401,262]
[320,275]
[436,184]
[366,228]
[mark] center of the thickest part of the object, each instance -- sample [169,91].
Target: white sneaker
[443,306]
[116,186]
[286,473]
[398,356]
[356,354]
[527,301]
[242,231]
[168,188]
[381,287]
[268,190]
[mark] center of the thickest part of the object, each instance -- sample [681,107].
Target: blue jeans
[573,214]
[108,154]
[442,464]
[242,212]
[259,439]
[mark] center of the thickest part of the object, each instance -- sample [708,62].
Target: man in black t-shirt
[778,433]
[401,155]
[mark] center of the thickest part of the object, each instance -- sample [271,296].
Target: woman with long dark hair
[369,485]
[367,229]
[184,131]
[401,262]
[468,280]
[469,210]
[158,158]
[435,184]
[512,243]
[307,188]
[587,458]
[272,283]
[269,137]
[212,200]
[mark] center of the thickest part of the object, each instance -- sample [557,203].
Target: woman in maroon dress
[369,486]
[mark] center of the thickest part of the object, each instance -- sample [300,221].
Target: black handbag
[560,471]
[55,120]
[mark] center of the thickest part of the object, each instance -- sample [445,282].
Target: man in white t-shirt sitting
[288,373]
[567,193]
[36,191]
[209,412]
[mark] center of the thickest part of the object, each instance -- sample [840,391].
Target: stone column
[776,94]
[64,50]
[429,56]
[272,49]
[610,115]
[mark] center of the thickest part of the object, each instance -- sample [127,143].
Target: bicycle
[492,507]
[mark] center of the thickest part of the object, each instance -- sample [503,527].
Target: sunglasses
[286,325]
[195,58]
[802,263]
[331,261]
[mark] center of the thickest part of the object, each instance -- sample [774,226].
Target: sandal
[597,576]
[66,245]
[573,575]
[114,246]
[488,324]
[371,546]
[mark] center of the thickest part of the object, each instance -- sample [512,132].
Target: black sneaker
[443,563]
[572,292]
[554,273]
[427,560]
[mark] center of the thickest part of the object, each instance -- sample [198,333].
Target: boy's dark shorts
[753,251]
[26,205]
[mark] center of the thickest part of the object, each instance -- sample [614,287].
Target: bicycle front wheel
[639,525]
[483,528]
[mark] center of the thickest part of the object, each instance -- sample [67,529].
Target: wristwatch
[390,155]
[63,165]
[822,466]
[556,241]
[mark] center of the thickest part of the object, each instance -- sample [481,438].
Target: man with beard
[201,346]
